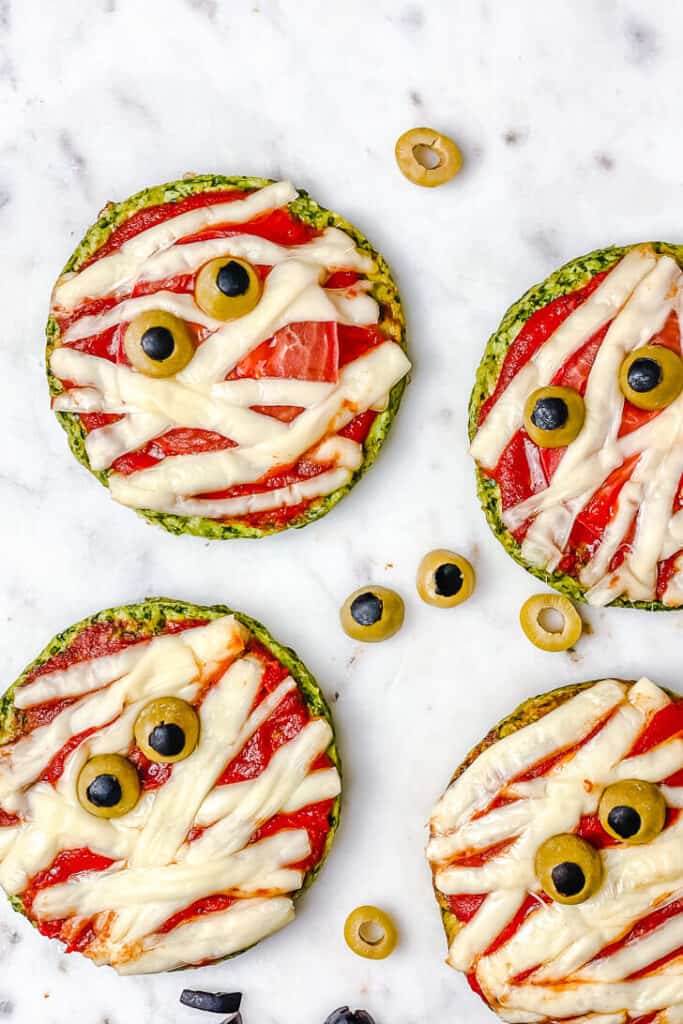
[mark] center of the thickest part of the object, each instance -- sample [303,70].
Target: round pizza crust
[384,290]
[569,278]
[148,619]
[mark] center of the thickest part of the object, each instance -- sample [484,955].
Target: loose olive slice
[158,344]
[108,786]
[167,730]
[370,932]
[632,811]
[427,157]
[651,377]
[227,288]
[568,868]
[445,579]
[372,614]
[535,613]
[553,416]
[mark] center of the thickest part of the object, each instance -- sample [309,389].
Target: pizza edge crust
[150,617]
[568,278]
[384,290]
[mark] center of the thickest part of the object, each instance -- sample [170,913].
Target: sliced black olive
[167,739]
[212,1002]
[553,416]
[346,1016]
[568,878]
[108,786]
[550,413]
[625,821]
[448,580]
[233,279]
[366,609]
[644,375]
[104,791]
[157,343]
[227,288]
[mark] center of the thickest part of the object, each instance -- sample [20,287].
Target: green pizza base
[306,209]
[148,619]
[569,278]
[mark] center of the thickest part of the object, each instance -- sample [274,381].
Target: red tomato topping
[279,226]
[284,724]
[105,345]
[208,905]
[8,820]
[359,428]
[669,337]
[592,831]
[63,867]
[475,860]
[315,819]
[284,413]
[465,906]
[95,420]
[531,904]
[304,469]
[354,341]
[342,279]
[152,773]
[665,724]
[544,766]
[575,372]
[181,284]
[179,441]
[304,351]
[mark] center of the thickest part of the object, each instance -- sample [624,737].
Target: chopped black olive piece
[104,791]
[448,580]
[167,739]
[157,343]
[550,413]
[625,821]
[366,609]
[644,375]
[212,1002]
[346,1016]
[232,279]
[568,878]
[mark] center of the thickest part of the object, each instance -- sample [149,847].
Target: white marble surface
[569,117]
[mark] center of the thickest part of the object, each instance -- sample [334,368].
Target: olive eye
[445,579]
[651,377]
[108,786]
[167,730]
[568,868]
[372,614]
[554,416]
[158,344]
[632,811]
[227,288]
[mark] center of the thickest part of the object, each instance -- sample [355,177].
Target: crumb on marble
[605,161]
[514,136]
[642,39]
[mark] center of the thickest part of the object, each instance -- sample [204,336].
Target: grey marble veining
[569,118]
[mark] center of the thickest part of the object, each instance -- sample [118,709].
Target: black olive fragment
[168,739]
[212,1002]
[346,1016]
[448,580]
[366,609]
[232,279]
[104,791]
[568,878]
[625,821]
[550,413]
[157,343]
[644,375]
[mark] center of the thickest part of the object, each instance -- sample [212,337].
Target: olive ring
[542,637]
[370,932]
[427,158]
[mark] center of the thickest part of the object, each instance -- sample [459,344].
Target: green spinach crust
[149,618]
[383,289]
[569,278]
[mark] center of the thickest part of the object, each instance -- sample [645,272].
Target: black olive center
[550,413]
[625,821]
[448,580]
[644,375]
[366,609]
[104,791]
[167,739]
[157,343]
[232,279]
[568,878]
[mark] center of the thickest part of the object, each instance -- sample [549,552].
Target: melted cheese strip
[323,784]
[113,271]
[273,391]
[361,383]
[564,940]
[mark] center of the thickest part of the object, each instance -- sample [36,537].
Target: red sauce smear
[548,763]
[153,774]
[65,865]
[208,905]
[315,819]
[642,928]
[466,905]
[480,857]
[284,724]
[664,725]
[179,441]
[8,820]
[528,907]
[278,226]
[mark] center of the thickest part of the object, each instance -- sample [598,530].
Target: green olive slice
[553,416]
[372,614]
[227,288]
[158,344]
[445,579]
[108,786]
[651,377]
[568,868]
[426,157]
[370,932]
[632,811]
[167,730]
[534,613]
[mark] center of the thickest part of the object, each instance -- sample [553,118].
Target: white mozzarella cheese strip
[494,914]
[597,451]
[89,400]
[506,416]
[212,936]
[129,887]
[333,249]
[642,996]
[286,770]
[361,383]
[182,406]
[272,391]
[281,497]
[112,271]
[516,753]
[220,640]
[8,836]
[499,824]
[656,765]
[636,956]
[107,443]
[180,305]
[674,538]
[323,784]
[356,307]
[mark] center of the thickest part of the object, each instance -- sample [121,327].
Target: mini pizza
[169,785]
[556,857]
[576,422]
[226,355]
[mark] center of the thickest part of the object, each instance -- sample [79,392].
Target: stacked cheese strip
[633,303]
[159,868]
[199,397]
[535,960]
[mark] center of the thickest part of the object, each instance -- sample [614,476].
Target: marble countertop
[569,118]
